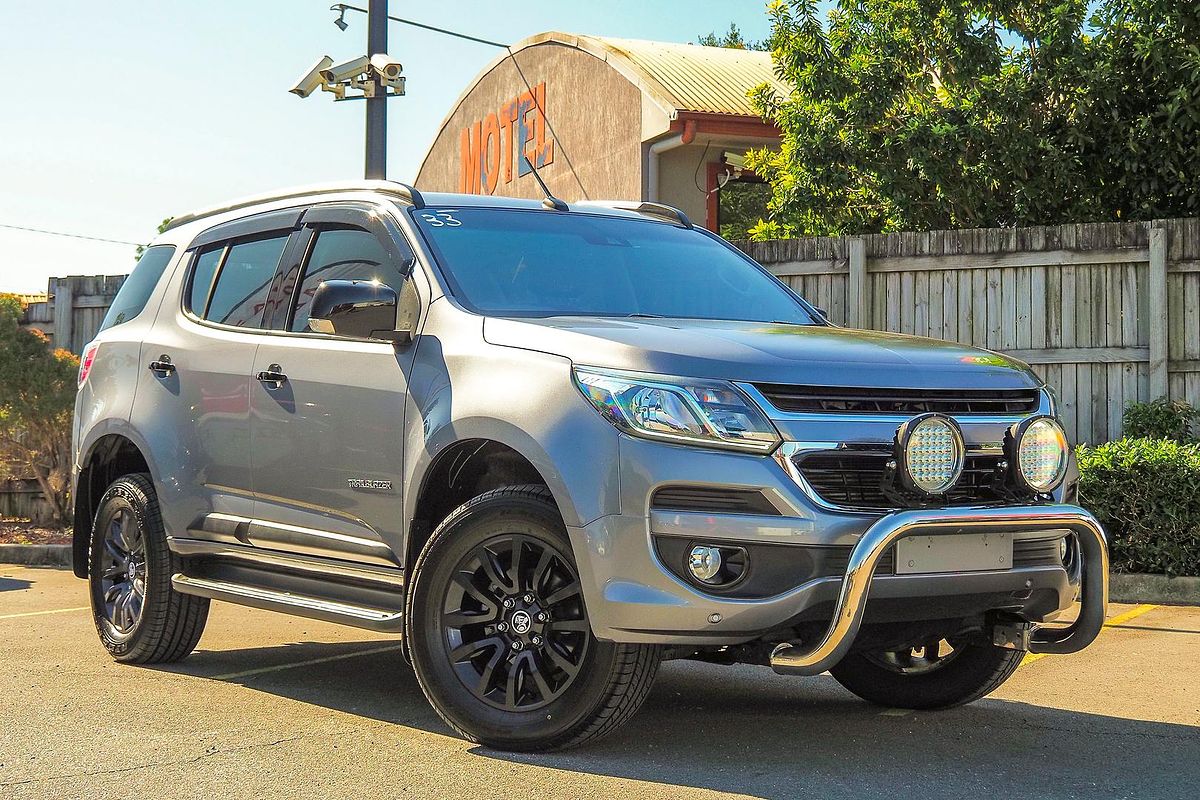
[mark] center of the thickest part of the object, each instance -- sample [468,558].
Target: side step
[375,619]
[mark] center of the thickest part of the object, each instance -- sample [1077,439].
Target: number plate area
[972,552]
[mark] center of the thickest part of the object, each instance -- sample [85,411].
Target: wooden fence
[76,306]
[1107,313]
[23,499]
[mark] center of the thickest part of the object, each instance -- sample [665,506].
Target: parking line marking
[229,676]
[41,613]
[1125,616]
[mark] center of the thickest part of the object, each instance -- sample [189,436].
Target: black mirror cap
[358,309]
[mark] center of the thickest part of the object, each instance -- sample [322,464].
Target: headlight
[930,453]
[1040,451]
[682,410]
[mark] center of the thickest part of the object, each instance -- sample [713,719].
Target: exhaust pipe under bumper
[794,659]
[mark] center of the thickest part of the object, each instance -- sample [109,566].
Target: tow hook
[1012,635]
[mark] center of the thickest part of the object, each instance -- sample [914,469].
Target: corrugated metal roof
[715,80]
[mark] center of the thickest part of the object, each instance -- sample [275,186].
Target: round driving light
[1042,454]
[932,453]
[704,563]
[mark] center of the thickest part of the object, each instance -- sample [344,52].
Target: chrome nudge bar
[794,659]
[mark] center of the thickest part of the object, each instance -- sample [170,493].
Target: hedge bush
[1146,493]
[1162,419]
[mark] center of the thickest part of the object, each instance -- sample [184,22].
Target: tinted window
[242,285]
[531,263]
[138,287]
[343,254]
[202,278]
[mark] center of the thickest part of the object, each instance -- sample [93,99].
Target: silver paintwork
[262,475]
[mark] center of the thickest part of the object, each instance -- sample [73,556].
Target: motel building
[609,119]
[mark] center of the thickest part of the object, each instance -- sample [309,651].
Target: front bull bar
[793,659]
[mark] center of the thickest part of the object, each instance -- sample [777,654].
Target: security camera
[735,160]
[345,72]
[386,67]
[312,79]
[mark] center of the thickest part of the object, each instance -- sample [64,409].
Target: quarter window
[138,287]
[348,254]
[202,279]
[241,290]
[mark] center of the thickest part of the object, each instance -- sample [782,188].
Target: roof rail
[408,194]
[663,212]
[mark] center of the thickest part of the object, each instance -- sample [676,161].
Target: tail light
[86,361]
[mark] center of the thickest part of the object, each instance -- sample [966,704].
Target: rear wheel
[141,619]
[937,674]
[499,633]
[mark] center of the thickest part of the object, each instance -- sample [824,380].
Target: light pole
[376,123]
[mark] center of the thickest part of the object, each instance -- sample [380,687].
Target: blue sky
[115,114]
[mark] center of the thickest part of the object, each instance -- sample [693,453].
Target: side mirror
[359,309]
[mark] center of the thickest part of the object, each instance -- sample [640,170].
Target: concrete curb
[36,555]
[1157,589]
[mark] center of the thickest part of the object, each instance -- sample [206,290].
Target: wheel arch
[461,470]
[108,458]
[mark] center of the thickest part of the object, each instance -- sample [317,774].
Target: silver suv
[552,446]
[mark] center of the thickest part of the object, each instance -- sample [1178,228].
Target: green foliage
[37,397]
[731,38]
[1163,419]
[924,114]
[141,248]
[1146,493]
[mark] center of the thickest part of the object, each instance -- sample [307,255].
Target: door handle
[272,377]
[162,366]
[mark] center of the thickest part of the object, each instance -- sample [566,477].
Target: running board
[375,619]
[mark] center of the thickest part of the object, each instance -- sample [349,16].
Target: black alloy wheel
[515,626]
[498,632]
[122,568]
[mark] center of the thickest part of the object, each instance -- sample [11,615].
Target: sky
[116,114]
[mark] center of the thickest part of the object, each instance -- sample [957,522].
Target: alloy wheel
[515,626]
[123,572]
[919,659]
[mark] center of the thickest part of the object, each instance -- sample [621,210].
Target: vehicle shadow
[748,731]
[14,584]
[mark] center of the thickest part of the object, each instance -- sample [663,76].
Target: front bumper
[800,659]
[633,597]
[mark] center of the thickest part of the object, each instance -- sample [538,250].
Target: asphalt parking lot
[271,706]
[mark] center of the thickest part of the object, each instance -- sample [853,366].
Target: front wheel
[936,674]
[499,633]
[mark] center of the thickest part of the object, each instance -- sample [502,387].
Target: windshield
[532,263]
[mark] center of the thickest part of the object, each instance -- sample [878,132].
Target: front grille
[858,400]
[712,500]
[855,479]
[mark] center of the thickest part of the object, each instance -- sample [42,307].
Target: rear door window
[136,291]
[348,254]
[240,293]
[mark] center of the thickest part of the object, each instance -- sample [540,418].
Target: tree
[731,38]
[37,397]
[921,114]
[141,248]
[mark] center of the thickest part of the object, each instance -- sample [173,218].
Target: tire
[964,673]
[129,553]
[559,692]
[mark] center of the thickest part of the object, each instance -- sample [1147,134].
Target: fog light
[704,563]
[1041,453]
[930,453]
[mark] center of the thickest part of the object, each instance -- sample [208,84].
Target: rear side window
[240,294]
[138,287]
[347,254]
